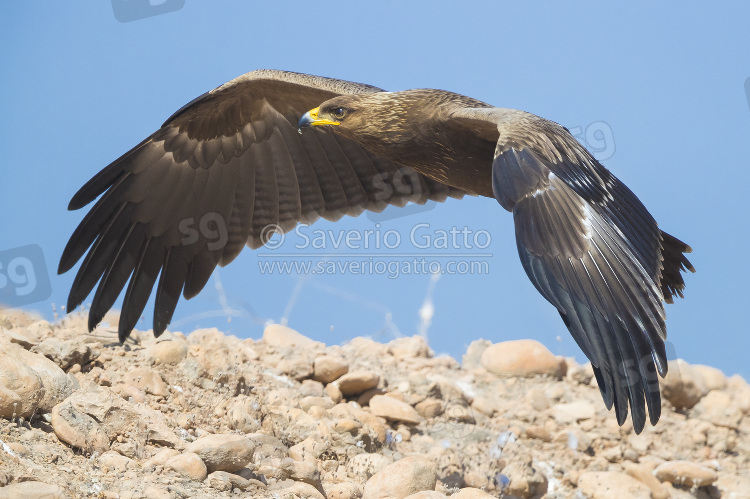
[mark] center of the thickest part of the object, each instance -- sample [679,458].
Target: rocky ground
[209,415]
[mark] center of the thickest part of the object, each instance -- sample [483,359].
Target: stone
[426,494]
[298,367]
[282,336]
[733,486]
[394,410]
[472,359]
[224,481]
[345,490]
[612,485]
[526,358]
[328,368]
[223,451]
[408,476]
[717,407]
[644,475]
[116,461]
[363,466]
[683,387]
[572,412]
[160,458]
[538,432]
[65,353]
[685,473]
[713,378]
[33,490]
[471,493]
[430,407]
[188,464]
[148,380]
[169,352]
[290,488]
[75,427]
[409,348]
[525,480]
[354,383]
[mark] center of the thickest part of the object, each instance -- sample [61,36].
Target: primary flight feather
[230,168]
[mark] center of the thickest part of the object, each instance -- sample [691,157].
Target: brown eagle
[230,168]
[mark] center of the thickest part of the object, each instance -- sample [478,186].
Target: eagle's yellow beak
[310,118]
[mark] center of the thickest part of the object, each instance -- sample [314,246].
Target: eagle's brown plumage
[232,164]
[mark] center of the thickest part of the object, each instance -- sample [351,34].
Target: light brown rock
[394,410]
[32,490]
[169,352]
[644,475]
[148,380]
[345,490]
[160,458]
[471,493]
[572,412]
[363,466]
[328,368]
[687,473]
[430,407]
[188,464]
[290,488]
[713,378]
[116,461]
[409,347]
[354,383]
[525,480]
[223,451]
[521,358]
[408,476]
[683,387]
[427,494]
[75,427]
[282,336]
[612,485]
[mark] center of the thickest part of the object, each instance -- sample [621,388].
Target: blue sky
[659,91]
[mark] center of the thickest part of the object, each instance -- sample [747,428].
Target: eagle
[271,149]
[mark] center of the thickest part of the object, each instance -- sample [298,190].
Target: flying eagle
[232,163]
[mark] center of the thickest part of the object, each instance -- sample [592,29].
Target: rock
[282,336]
[525,481]
[683,386]
[346,490]
[713,378]
[733,486]
[612,485]
[427,494]
[409,347]
[644,475]
[685,473]
[290,488]
[538,432]
[356,382]
[408,476]
[65,353]
[189,464]
[167,351]
[298,367]
[223,451]
[430,407]
[521,358]
[148,380]
[472,359]
[75,427]
[32,490]
[116,461]
[20,339]
[718,407]
[394,410]
[471,493]
[224,481]
[572,412]
[364,466]
[160,458]
[328,368]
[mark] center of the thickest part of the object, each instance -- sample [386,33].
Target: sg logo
[23,276]
[133,10]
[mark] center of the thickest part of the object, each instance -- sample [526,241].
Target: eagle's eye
[339,113]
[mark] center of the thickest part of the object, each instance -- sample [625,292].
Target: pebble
[160,458]
[612,485]
[525,480]
[394,410]
[290,488]
[471,493]
[426,494]
[430,407]
[409,348]
[521,358]
[148,380]
[644,474]
[32,490]
[168,352]
[282,336]
[354,383]
[328,368]
[65,353]
[189,464]
[685,473]
[346,490]
[683,387]
[409,475]
[75,427]
[116,461]
[223,451]
[572,412]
